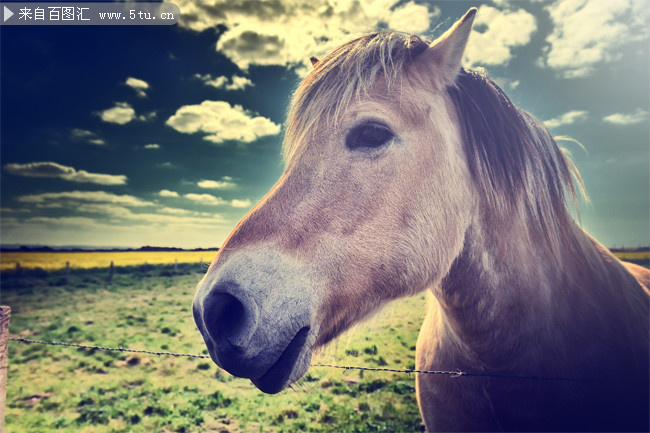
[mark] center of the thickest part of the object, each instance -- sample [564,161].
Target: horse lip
[275,378]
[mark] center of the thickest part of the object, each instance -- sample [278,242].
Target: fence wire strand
[454,374]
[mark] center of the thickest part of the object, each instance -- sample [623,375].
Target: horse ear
[445,54]
[314,61]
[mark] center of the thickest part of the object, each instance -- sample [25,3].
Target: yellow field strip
[54,261]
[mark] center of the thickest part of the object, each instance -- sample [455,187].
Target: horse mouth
[277,377]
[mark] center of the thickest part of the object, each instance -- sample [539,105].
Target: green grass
[148,307]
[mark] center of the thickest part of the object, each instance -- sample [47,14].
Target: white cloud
[240,203]
[138,85]
[590,32]
[496,33]
[173,215]
[234,83]
[566,119]
[81,133]
[412,18]
[205,199]
[80,197]
[222,122]
[176,211]
[55,170]
[152,146]
[638,116]
[121,114]
[167,193]
[225,183]
[88,136]
[287,33]
[217,201]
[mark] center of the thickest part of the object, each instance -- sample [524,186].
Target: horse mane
[511,155]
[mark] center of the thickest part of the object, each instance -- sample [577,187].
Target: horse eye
[368,135]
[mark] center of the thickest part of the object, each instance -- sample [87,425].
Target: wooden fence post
[5,315]
[111,271]
[67,273]
[176,266]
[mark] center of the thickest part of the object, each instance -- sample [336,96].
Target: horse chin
[292,364]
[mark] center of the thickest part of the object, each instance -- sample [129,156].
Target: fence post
[5,315]
[176,266]
[111,270]
[67,273]
[17,269]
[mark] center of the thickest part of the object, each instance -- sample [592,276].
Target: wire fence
[456,374]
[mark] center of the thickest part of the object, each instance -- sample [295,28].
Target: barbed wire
[457,373]
[112,349]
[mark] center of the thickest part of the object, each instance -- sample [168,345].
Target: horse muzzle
[255,323]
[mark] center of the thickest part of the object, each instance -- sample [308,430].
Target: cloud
[627,119]
[222,122]
[162,216]
[79,197]
[55,170]
[152,146]
[166,164]
[496,33]
[234,83]
[81,133]
[225,183]
[411,18]
[288,32]
[566,119]
[138,85]
[167,193]
[88,136]
[217,201]
[121,114]
[240,203]
[205,199]
[587,33]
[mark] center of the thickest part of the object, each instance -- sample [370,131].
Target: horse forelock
[347,74]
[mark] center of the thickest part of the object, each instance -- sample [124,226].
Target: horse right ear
[314,61]
[445,54]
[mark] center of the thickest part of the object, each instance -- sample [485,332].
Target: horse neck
[511,283]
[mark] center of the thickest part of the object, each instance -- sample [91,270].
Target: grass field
[85,260]
[148,307]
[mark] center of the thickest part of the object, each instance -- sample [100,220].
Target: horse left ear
[445,54]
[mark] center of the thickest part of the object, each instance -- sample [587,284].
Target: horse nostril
[226,318]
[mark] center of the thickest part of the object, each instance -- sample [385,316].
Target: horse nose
[229,317]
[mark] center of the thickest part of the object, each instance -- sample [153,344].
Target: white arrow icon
[8,13]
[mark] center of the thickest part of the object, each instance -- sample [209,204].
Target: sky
[125,136]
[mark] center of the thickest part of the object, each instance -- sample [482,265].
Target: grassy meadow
[147,306]
[53,388]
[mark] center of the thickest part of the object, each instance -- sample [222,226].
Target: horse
[406,172]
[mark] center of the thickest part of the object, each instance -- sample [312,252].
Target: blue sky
[168,135]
